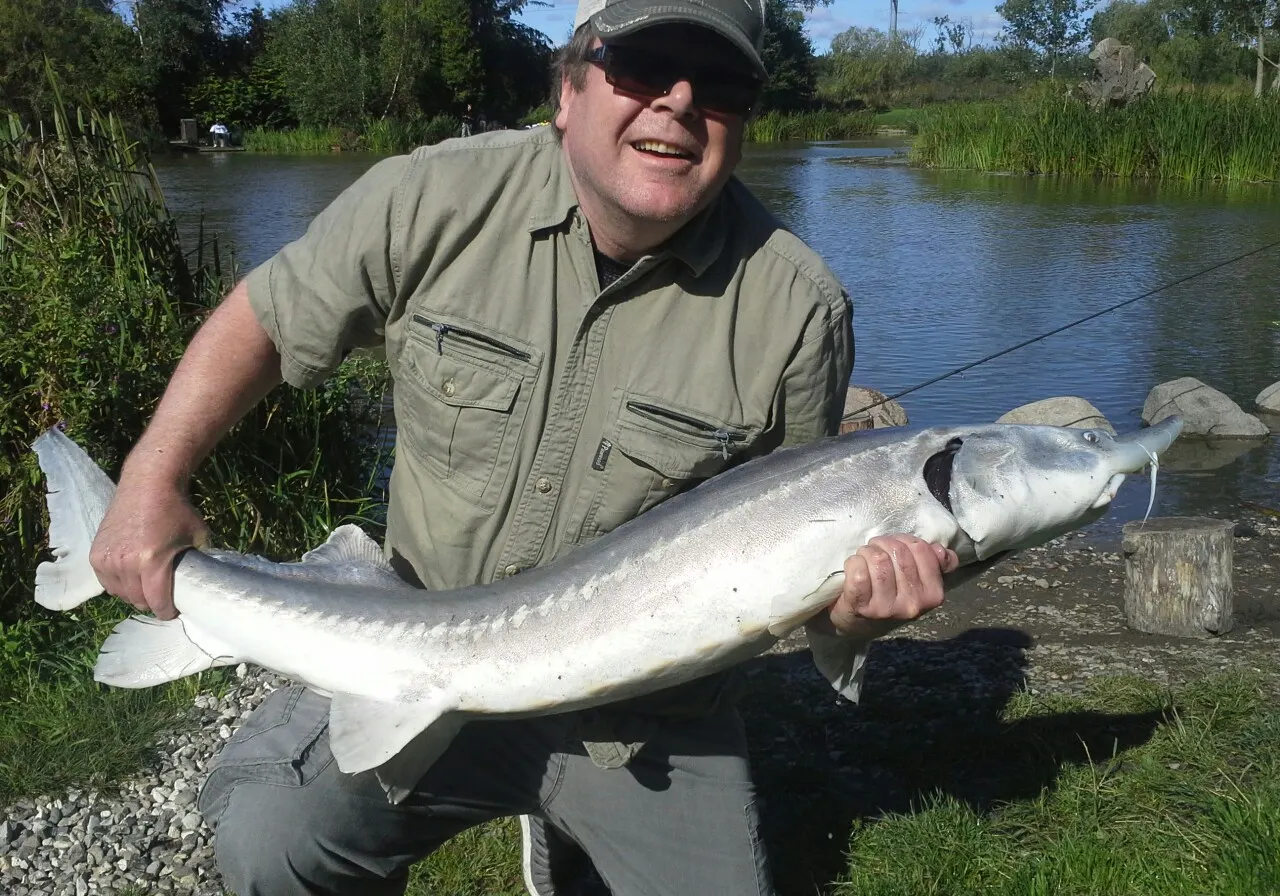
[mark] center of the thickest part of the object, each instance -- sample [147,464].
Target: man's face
[654,160]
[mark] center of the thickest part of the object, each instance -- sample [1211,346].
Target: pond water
[946,268]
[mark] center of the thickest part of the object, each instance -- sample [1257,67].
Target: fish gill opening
[937,472]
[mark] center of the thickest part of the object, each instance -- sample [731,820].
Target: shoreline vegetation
[1169,135]
[1179,135]
[99,300]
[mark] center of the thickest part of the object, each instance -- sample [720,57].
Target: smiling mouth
[663,150]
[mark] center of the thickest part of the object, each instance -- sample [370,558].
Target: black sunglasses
[651,75]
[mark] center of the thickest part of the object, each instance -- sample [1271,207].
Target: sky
[555,17]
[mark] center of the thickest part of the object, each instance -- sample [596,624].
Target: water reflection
[946,268]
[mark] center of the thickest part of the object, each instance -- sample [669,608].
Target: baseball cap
[741,22]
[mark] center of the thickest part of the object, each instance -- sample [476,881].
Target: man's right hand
[146,526]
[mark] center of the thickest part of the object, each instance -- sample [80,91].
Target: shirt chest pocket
[654,450]
[461,400]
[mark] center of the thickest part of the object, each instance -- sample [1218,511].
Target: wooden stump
[1178,576]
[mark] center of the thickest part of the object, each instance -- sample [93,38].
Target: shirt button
[667,483]
[511,570]
[543,484]
[448,388]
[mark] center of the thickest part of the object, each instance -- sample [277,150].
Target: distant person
[466,122]
[219,133]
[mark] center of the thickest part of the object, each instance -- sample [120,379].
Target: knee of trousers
[269,841]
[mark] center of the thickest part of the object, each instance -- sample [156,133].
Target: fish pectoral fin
[365,733]
[841,660]
[787,613]
[143,651]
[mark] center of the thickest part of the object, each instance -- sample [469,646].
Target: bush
[98,302]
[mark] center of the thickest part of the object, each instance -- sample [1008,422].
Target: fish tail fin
[142,652]
[78,495]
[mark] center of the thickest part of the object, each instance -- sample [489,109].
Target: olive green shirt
[534,411]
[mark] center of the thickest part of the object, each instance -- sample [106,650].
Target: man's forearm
[230,365]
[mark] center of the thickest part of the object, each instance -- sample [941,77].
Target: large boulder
[1065,410]
[1120,78]
[888,414]
[1269,399]
[1205,411]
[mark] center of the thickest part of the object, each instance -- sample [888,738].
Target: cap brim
[629,16]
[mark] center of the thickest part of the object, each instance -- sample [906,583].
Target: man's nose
[678,100]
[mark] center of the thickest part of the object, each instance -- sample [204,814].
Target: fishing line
[1013,348]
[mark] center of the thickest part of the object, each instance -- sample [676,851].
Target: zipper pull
[723,438]
[440,329]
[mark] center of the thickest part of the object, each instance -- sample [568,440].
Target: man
[581,321]
[220,133]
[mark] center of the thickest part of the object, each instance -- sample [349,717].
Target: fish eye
[1090,436]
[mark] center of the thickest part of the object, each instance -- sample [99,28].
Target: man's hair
[571,62]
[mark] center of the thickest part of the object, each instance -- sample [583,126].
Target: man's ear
[567,93]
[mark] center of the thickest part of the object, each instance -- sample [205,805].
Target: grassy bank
[1193,808]
[383,136]
[1168,135]
[98,300]
[777,127]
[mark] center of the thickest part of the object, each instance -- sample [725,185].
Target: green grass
[1194,810]
[384,136]
[1182,135]
[776,127]
[904,119]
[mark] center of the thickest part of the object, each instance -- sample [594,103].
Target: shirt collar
[696,245]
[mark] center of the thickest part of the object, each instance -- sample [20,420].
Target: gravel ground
[1046,621]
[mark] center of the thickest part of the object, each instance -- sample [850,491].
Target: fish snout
[1133,451]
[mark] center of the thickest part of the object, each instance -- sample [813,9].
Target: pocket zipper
[723,436]
[441,330]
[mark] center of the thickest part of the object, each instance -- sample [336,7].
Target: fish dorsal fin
[348,557]
[348,544]
[365,733]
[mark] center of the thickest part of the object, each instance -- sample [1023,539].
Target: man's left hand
[890,580]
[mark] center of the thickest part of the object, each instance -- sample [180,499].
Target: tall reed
[1168,135]
[384,136]
[824,124]
[98,302]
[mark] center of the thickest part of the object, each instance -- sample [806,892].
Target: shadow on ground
[929,723]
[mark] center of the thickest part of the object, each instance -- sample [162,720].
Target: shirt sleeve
[331,290]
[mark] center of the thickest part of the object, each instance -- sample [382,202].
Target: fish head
[1011,487]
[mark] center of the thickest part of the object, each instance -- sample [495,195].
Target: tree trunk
[1178,576]
[1262,63]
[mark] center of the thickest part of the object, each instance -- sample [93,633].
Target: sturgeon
[701,582]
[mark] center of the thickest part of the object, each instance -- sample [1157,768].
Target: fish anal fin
[365,733]
[841,660]
[142,652]
[787,613]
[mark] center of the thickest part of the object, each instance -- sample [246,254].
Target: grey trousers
[679,820]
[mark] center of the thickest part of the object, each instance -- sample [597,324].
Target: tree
[1050,28]
[178,38]
[91,50]
[866,65]
[788,56]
